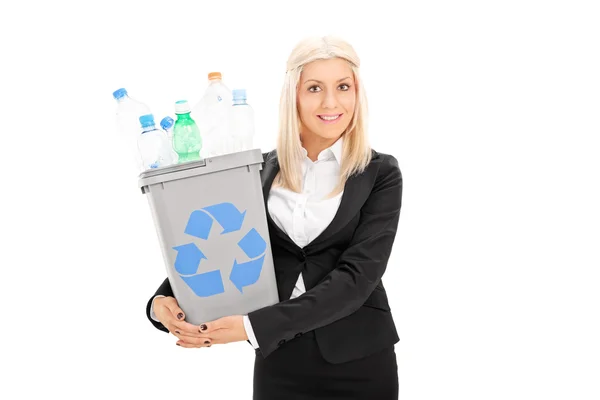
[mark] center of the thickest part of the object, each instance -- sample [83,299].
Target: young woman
[333,206]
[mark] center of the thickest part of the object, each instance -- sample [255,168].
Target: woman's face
[326,99]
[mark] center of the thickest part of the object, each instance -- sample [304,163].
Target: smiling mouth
[330,117]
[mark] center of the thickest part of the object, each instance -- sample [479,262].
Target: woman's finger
[175,332]
[172,305]
[181,333]
[175,328]
[191,343]
[190,329]
[196,341]
[187,345]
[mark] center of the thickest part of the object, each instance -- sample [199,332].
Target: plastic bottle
[129,110]
[212,115]
[241,127]
[167,125]
[187,141]
[153,145]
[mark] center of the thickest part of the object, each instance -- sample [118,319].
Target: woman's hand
[225,330]
[167,311]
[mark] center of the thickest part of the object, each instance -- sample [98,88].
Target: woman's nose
[330,100]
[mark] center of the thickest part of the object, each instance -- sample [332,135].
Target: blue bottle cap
[166,123]
[119,93]
[239,94]
[147,120]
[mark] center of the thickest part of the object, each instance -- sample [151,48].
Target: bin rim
[200,167]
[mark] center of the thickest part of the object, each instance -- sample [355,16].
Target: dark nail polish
[206,342]
[203,327]
[177,332]
[177,344]
[180,315]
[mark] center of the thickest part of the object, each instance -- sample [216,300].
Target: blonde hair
[356,151]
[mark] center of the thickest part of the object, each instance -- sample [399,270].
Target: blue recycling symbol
[189,256]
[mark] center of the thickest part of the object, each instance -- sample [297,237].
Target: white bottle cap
[182,107]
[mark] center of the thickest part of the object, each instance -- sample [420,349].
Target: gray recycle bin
[211,222]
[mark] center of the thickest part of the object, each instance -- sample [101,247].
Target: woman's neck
[314,145]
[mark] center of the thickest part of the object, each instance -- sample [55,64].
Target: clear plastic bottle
[129,110]
[241,125]
[187,141]
[212,115]
[153,145]
[167,125]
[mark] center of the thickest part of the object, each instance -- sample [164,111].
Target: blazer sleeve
[359,270]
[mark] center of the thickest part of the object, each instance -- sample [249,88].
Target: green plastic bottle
[187,141]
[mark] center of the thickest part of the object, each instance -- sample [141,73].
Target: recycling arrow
[253,244]
[247,273]
[199,224]
[206,284]
[188,258]
[227,216]
[189,255]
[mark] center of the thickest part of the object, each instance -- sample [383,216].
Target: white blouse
[303,216]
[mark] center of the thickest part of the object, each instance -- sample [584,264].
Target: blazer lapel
[356,192]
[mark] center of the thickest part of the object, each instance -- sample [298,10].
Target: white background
[491,109]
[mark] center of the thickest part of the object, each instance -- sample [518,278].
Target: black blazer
[345,302]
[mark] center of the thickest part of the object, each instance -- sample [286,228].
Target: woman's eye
[315,89]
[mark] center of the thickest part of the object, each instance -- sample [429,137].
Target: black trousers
[297,371]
